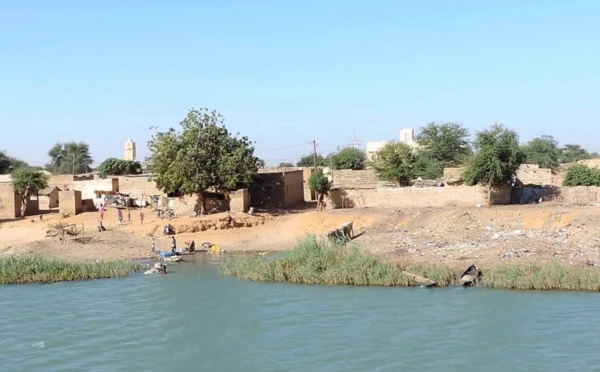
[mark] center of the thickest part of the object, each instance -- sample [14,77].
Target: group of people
[169,230]
[173,247]
[120,217]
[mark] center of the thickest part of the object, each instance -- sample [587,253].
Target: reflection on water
[194,320]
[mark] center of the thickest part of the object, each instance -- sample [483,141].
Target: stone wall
[417,197]
[277,189]
[579,195]
[356,179]
[294,187]
[8,207]
[239,201]
[532,174]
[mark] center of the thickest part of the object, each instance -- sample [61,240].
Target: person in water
[173,245]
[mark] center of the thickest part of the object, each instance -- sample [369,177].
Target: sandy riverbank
[457,236]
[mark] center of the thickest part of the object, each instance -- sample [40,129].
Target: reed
[320,261]
[34,269]
[546,276]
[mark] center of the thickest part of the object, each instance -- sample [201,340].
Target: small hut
[49,197]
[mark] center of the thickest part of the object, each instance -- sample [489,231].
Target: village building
[10,203]
[277,189]
[49,197]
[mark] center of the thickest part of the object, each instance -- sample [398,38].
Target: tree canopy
[260,163]
[285,165]
[63,156]
[582,175]
[349,158]
[498,157]
[571,153]
[319,183]
[9,163]
[396,162]
[309,161]
[543,151]
[447,143]
[202,155]
[27,182]
[114,166]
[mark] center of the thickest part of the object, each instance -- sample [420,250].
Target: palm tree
[70,157]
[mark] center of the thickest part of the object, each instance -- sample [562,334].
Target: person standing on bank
[173,245]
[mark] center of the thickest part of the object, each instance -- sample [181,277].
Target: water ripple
[194,320]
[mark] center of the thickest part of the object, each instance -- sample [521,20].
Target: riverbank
[450,236]
[319,261]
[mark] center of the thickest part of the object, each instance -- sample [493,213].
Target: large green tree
[443,145]
[309,161]
[114,166]
[285,164]
[396,162]
[28,182]
[571,153]
[9,163]
[70,158]
[498,157]
[349,158]
[543,151]
[201,156]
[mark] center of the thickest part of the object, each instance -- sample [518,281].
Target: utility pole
[73,164]
[315,152]
[354,141]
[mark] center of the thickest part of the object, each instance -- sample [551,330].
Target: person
[154,247]
[129,216]
[173,245]
[101,226]
[141,218]
[120,217]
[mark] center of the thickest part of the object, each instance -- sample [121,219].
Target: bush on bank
[19,270]
[319,261]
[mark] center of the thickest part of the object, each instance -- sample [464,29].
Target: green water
[194,320]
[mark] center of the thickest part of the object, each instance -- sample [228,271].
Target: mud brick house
[277,189]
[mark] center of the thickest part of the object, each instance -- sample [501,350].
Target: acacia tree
[27,182]
[349,158]
[497,159]
[320,185]
[70,157]
[9,163]
[396,162]
[446,144]
[201,156]
[571,153]
[284,164]
[114,166]
[543,151]
[309,161]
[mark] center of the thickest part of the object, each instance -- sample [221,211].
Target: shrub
[582,175]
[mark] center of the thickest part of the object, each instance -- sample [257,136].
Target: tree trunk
[489,195]
[202,199]
[24,200]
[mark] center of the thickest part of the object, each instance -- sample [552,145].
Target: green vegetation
[284,164]
[117,167]
[349,158]
[319,183]
[441,146]
[70,158]
[309,161]
[9,163]
[28,182]
[396,162]
[19,270]
[543,151]
[582,175]
[202,156]
[549,276]
[498,157]
[571,153]
[320,261]
[314,261]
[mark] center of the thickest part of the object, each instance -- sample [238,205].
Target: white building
[373,148]
[130,150]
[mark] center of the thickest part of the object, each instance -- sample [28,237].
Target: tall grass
[319,261]
[547,276]
[18,270]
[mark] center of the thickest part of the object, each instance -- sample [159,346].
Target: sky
[286,73]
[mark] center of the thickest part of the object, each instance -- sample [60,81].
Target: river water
[194,320]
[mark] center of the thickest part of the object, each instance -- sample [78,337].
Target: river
[194,320]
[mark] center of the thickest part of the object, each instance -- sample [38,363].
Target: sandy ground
[451,235]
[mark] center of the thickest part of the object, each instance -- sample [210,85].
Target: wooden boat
[169,256]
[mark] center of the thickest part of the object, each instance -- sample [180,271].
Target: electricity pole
[315,152]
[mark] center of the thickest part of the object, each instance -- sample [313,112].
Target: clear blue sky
[285,73]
